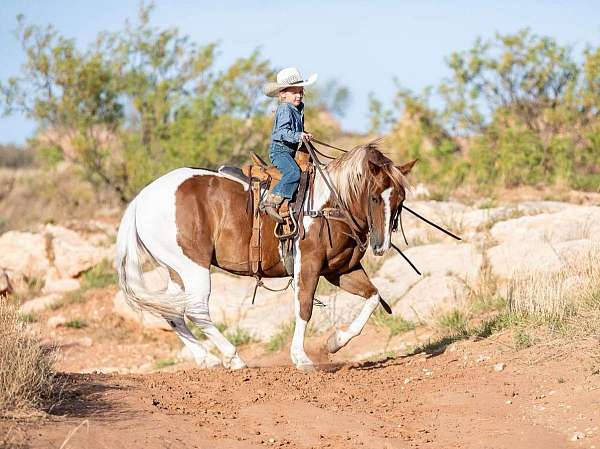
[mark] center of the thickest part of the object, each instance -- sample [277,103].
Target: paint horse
[190,219]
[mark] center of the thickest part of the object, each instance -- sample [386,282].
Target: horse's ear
[406,168]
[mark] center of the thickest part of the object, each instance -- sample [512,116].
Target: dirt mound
[475,395]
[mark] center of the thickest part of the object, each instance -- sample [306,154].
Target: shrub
[26,374]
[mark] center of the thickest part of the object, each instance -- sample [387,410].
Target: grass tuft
[76,324]
[26,374]
[395,324]
[280,339]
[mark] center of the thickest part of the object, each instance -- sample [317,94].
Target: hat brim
[272,89]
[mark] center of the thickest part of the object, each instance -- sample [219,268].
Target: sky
[363,45]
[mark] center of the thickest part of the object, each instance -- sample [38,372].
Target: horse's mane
[349,173]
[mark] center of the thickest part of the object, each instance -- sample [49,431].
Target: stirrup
[293,231]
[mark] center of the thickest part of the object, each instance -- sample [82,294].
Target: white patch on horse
[297,351]
[159,237]
[340,338]
[387,211]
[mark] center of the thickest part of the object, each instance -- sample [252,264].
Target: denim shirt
[287,128]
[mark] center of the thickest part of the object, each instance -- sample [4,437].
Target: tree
[137,102]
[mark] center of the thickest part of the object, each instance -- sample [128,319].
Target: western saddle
[261,178]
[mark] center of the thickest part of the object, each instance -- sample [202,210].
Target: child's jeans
[290,174]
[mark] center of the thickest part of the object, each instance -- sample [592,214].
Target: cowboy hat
[289,77]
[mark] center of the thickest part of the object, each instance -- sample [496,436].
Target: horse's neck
[322,195]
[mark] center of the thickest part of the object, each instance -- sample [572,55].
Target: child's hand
[306,137]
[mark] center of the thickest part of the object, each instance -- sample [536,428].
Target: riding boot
[271,205]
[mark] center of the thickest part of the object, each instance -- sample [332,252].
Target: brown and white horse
[190,219]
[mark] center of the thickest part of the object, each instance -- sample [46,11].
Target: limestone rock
[24,253]
[431,295]
[536,255]
[41,303]
[53,283]
[72,255]
[572,223]
[56,321]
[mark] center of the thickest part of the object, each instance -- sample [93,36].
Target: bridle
[346,216]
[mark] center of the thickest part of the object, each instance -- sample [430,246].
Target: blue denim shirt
[287,128]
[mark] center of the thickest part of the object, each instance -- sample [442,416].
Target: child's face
[292,95]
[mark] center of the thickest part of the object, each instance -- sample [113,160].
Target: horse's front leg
[358,283]
[306,277]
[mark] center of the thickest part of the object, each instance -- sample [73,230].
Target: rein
[346,216]
[396,220]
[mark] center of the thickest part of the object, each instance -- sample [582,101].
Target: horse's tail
[128,262]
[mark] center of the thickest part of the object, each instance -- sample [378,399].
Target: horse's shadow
[431,350]
[79,396]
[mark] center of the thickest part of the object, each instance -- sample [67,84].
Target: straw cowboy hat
[288,77]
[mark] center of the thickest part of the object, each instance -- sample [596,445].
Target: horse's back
[195,211]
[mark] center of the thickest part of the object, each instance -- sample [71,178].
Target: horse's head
[373,189]
[385,194]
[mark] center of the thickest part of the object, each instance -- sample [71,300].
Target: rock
[431,295]
[85,341]
[578,436]
[499,367]
[41,303]
[24,253]
[56,321]
[54,284]
[72,255]
[572,223]
[440,259]
[536,255]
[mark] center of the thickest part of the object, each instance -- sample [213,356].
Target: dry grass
[566,298]
[26,374]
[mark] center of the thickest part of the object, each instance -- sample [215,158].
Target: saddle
[261,178]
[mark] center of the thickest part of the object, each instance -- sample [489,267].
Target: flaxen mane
[349,173]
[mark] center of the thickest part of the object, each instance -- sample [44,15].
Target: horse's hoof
[306,367]
[333,343]
[235,363]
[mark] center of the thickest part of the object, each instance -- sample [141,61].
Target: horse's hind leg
[197,284]
[356,282]
[202,357]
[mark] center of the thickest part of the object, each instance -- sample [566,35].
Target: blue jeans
[290,174]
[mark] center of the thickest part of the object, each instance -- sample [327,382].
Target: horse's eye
[375,198]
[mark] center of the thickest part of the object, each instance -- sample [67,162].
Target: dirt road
[473,395]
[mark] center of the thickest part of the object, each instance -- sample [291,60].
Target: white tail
[128,263]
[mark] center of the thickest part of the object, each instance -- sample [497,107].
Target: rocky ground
[130,385]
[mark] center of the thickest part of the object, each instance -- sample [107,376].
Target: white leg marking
[386,217]
[299,357]
[203,358]
[198,284]
[340,338]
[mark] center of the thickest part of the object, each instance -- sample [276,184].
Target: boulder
[572,223]
[72,255]
[54,284]
[24,253]
[440,259]
[514,257]
[40,303]
[430,296]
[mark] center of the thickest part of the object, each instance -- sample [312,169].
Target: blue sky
[362,44]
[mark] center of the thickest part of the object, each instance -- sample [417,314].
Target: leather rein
[344,213]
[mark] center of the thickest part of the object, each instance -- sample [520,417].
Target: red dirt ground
[542,398]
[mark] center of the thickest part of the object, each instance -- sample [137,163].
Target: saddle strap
[298,206]
[255,252]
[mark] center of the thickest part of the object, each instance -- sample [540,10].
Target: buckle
[313,213]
